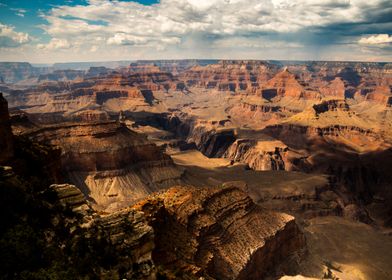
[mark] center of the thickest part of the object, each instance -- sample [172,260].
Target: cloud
[55,44]
[215,28]
[126,39]
[131,23]
[376,39]
[19,12]
[12,39]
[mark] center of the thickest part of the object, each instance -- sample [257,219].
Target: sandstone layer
[110,163]
[219,232]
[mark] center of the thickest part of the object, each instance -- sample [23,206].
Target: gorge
[199,169]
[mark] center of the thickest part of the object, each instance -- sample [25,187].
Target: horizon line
[200,59]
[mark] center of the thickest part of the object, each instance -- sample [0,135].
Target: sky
[48,31]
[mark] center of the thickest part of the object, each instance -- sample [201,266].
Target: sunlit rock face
[219,232]
[231,76]
[110,163]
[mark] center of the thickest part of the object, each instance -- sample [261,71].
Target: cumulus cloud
[215,28]
[126,39]
[9,38]
[130,23]
[376,39]
[55,44]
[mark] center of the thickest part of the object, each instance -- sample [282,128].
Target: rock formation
[12,72]
[229,75]
[219,233]
[260,155]
[61,75]
[126,232]
[110,163]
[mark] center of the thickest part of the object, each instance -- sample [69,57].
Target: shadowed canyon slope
[222,169]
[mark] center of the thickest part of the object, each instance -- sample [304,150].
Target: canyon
[232,169]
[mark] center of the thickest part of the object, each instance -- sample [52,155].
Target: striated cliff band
[110,163]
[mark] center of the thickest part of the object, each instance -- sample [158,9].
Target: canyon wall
[219,233]
[110,163]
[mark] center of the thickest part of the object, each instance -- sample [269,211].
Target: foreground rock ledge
[219,232]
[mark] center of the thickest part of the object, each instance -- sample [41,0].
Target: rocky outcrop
[331,105]
[112,165]
[91,116]
[124,236]
[219,233]
[110,92]
[336,88]
[259,156]
[61,75]
[286,84]
[12,72]
[381,95]
[301,136]
[234,76]
[211,142]
[259,115]
[153,80]
[98,146]
[97,71]
[71,198]
[6,137]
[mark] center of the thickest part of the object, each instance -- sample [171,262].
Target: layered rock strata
[110,163]
[125,235]
[219,233]
[234,76]
[259,156]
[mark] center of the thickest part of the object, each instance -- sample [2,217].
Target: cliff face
[12,72]
[381,95]
[110,163]
[234,76]
[299,136]
[125,235]
[259,156]
[302,81]
[212,143]
[286,84]
[110,92]
[219,233]
[53,231]
[98,146]
[336,88]
[259,115]
[188,232]
[6,141]
[61,75]
[330,105]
